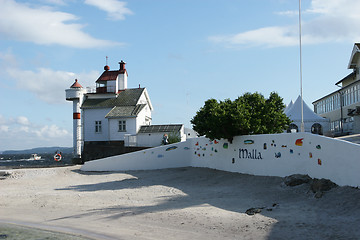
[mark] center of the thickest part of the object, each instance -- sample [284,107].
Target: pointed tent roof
[294,113]
[288,107]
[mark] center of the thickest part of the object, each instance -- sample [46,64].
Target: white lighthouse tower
[75,94]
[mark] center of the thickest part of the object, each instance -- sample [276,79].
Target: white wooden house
[114,115]
[113,110]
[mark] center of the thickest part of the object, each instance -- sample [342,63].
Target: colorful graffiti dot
[291,151]
[265,147]
[278,155]
[284,146]
[186,148]
[310,155]
[248,141]
[160,156]
[199,154]
[233,160]
[226,145]
[197,144]
[216,142]
[215,150]
[171,148]
[319,161]
[299,142]
[318,147]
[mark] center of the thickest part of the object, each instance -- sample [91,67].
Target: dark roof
[110,75]
[348,76]
[125,111]
[160,128]
[127,97]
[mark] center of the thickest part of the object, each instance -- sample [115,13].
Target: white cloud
[4,128]
[49,85]
[44,26]
[23,120]
[46,84]
[116,10]
[52,131]
[16,135]
[329,21]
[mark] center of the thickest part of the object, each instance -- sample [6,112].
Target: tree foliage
[250,113]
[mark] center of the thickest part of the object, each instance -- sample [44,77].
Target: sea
[14,161]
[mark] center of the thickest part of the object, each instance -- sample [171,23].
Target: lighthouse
[75,94]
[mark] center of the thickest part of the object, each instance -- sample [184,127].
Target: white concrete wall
[154,158]
[89,118]
[268,155]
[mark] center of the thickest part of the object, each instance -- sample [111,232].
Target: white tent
[312,122]
[288,107]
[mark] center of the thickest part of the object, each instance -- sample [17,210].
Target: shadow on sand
[296,213]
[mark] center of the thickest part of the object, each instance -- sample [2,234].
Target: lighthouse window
[98,126]
[122,126]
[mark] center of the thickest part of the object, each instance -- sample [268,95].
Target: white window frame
[122,126]
[98,128]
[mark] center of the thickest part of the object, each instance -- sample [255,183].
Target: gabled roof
[110,75]
[352,75]
[160,128]
[127,97]
[354,56]
[125,111]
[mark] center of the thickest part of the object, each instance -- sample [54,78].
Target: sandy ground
[185,203]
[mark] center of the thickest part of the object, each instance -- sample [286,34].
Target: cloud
[44,26]
[327,21]
[116,10]
[22,120]
[49,85]
[19,133]
[46,84]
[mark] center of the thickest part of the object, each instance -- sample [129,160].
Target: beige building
[342,107]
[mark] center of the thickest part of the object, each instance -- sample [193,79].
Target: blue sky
[184,52]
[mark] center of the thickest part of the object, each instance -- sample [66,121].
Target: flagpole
[301,90]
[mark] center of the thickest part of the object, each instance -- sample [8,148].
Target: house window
[122,126]
[98,126]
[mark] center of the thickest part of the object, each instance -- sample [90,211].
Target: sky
[183,51]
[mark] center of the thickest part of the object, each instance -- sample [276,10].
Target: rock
[252,211]
[318,194]
[321,185]
[296,179]
[4,173]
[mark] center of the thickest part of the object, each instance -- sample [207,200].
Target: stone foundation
[97,150]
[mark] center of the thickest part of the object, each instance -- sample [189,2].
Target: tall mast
[301,90]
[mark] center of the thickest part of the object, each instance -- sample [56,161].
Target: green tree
[250,113]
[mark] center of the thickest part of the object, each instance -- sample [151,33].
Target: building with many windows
[342,107]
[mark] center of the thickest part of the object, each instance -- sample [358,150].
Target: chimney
[122,65]
[122,77]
